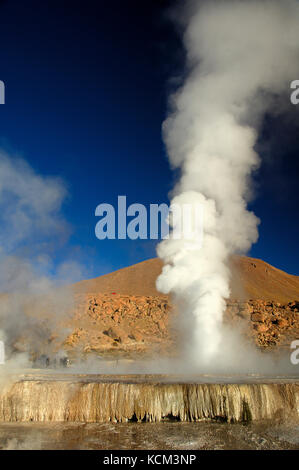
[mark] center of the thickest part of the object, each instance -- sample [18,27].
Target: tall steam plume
[241,58]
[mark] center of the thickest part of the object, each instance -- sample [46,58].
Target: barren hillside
[251,279]
[122,314]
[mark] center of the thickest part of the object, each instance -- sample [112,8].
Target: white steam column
[241,56]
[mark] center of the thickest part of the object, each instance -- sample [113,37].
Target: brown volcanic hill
[138,279]
[251,279]
[260,280]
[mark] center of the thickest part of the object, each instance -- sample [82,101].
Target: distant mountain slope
[260,280]
[251,279]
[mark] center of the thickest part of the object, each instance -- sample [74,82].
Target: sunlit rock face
[132,325]
[114,399]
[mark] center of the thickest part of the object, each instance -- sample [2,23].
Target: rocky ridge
[129,325]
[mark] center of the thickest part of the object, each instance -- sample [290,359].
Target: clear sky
[86,94]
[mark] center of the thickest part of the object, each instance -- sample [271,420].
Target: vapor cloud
[32,229]
[30,204]
[241,57]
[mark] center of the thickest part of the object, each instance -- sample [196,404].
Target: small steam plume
[241,58]
[33,304]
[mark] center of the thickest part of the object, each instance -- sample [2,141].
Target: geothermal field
[149,288]
[119,366]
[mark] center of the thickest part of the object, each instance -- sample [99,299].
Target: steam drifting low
[33,230]
[241,58]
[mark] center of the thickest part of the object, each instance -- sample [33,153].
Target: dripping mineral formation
[95,398]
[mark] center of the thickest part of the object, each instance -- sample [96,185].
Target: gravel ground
[148,436]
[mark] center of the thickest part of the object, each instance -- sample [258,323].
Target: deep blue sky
[86,93]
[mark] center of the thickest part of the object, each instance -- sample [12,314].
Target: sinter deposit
[96,398]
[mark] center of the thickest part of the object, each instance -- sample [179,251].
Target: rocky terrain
[132,325]
[270,324]
[120,324]
[164,436]
[122,314]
